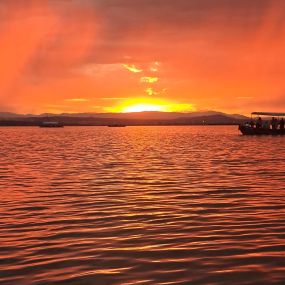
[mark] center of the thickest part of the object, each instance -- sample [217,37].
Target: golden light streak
[149,79]
[150,91]
[132,68]
[182,108]
[77,100]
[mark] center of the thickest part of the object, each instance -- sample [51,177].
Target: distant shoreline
[128,125]
[142,119]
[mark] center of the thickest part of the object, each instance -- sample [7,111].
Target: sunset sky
[130,55]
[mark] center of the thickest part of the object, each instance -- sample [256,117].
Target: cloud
[77,100]
[132,68]
[149,79]
[150,91]
[154,66]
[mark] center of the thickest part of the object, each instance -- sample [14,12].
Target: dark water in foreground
[141,205]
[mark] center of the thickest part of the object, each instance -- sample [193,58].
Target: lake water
[141,205]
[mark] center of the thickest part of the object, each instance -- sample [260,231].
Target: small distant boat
[116,126]
[51,124]
[253,129]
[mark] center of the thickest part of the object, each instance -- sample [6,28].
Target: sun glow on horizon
[146,104]
[142,108]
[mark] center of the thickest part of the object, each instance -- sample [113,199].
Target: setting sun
[141,108]
[142,104]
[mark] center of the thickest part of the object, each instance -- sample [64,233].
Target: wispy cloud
[154,66]
[132,68]
[150,91]
[149,79]
[77,100]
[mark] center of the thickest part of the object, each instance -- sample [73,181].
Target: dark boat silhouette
[250,130]
[51,124]
[116,126]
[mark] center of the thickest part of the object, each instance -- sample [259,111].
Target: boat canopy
[268,114]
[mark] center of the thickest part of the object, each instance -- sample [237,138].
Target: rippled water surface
[141,205]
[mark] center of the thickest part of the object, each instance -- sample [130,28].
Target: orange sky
[107,55]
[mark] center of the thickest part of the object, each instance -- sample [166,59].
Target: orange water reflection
[141,205]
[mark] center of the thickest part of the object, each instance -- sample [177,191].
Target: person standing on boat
[282,124]
[251,123]
[274,123]
[259,123]
[266,124]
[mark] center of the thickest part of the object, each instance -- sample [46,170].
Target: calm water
[141,205]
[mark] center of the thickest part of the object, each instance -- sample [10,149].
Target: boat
[116,126]
[51,124]
[257,128]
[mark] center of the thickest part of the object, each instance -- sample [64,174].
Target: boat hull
[249,131]
[51,125]
[117,126]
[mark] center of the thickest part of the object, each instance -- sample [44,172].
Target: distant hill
[140,118]
[4,115]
